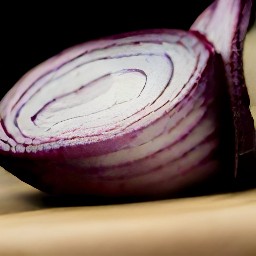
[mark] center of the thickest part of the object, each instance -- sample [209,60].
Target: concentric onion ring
[118,116]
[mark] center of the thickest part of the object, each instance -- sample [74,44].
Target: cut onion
[228,39]
[134,114]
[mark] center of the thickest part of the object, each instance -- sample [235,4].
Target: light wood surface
[32,223]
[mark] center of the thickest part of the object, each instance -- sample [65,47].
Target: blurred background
[30,34]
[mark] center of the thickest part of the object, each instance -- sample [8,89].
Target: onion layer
[135,114]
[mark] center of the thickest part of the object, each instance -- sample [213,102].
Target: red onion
[134,114]
[228,40]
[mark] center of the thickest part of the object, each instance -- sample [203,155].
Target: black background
[29,34]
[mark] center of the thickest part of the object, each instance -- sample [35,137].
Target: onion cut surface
[134,114]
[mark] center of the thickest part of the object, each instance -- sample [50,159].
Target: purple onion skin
[143,144]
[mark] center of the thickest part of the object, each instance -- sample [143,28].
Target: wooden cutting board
[32,223]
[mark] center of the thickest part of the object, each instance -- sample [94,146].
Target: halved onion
[143,113]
